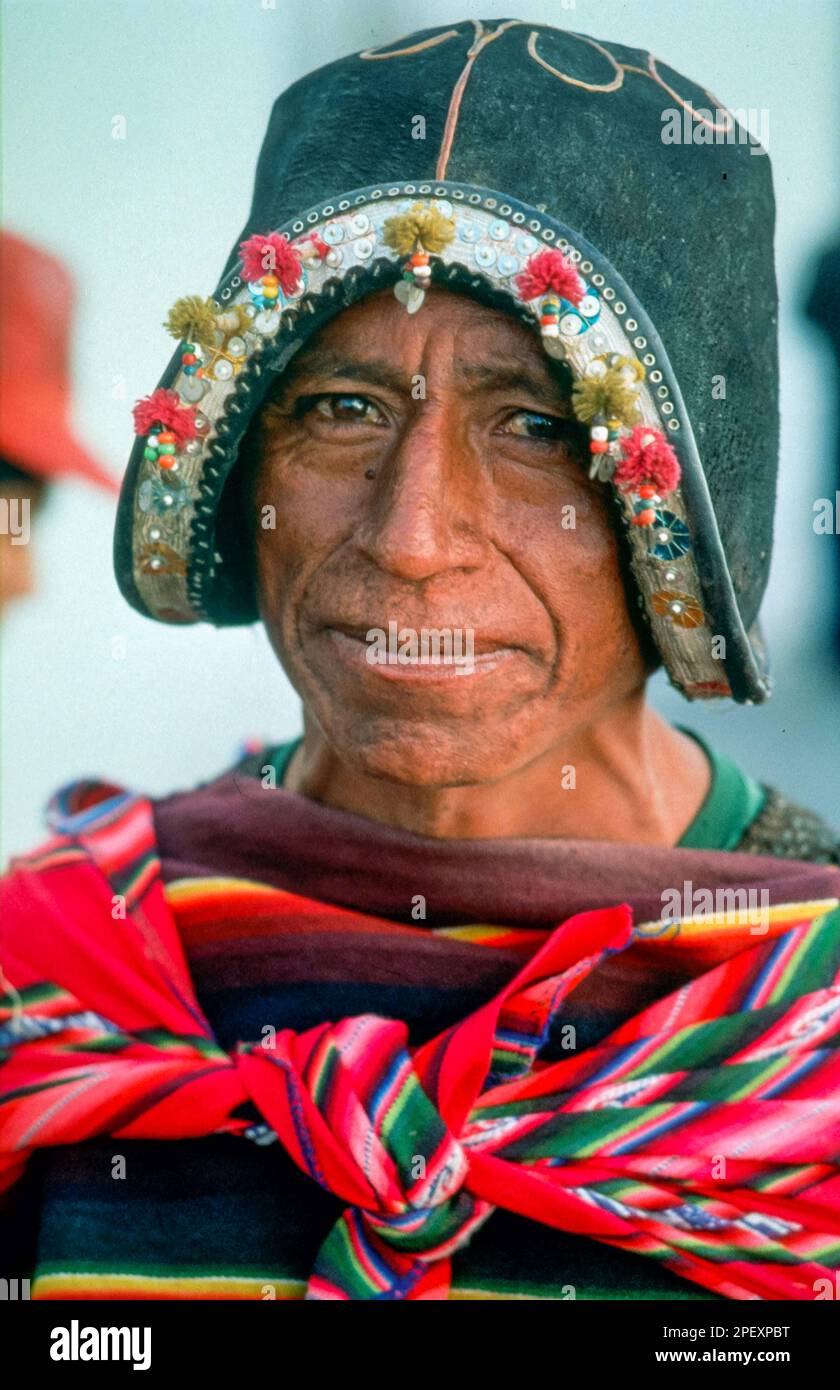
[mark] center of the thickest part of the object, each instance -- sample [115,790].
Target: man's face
[425,470]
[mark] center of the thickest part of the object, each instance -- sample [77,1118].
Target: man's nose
[427,502]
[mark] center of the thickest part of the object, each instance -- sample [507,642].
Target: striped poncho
[227,1086]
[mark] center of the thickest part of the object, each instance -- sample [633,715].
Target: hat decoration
[213,342]
[212,346]
[551,277]
[170,429]
[606,396]
[648,469]
[417,234]
[167,423]
[568,306]
[270,266]
[262,310]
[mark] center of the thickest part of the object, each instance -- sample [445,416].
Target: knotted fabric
[704,1132]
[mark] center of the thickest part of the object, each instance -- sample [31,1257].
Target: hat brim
[167,555]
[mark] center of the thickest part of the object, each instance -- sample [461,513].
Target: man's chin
[411,753]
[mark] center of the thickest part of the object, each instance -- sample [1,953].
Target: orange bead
[167,438]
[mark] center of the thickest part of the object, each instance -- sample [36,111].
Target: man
[37,443]
[514,989]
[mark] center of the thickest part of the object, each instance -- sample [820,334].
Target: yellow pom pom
[192,319]
[424,228]
[634,371]
[605,395]
[234,319]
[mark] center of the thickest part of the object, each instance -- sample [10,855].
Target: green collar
[732,802]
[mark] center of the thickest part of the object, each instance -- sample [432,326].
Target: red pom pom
[165,408]
[320,246]
[271,255]
[550,270]
[647,457]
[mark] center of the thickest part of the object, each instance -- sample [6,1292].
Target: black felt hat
[525,138]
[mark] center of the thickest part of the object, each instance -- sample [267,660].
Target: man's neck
[631,779]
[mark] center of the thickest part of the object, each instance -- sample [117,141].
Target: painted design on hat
[159,558]
[681,609]
[614,83]
[670,537]
[162,496]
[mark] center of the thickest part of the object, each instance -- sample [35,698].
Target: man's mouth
[395,650]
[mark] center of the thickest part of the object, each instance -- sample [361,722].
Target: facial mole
[370,472]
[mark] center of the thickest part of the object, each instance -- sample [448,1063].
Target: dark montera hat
[604,200]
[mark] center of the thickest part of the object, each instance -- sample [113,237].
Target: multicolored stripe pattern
[702,1133]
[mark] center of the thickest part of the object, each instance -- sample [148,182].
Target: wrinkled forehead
[456,340]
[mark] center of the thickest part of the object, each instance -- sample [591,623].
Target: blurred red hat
[36,312]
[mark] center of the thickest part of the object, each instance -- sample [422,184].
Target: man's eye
[346,409]
[531,424]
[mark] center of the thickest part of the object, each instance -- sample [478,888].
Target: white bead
[152,441]
[555,347]
[599,432]
[191,389]
[267,323]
